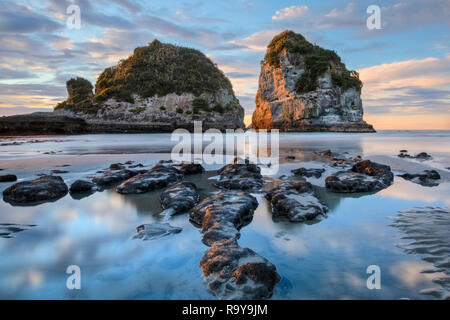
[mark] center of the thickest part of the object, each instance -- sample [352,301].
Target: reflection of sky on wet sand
[325,260]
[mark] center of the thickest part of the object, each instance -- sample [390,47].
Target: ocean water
[324,260]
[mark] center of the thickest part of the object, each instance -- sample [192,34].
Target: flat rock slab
[45,188]
[7,230]
[8,178]
[222,215]
[297,201]
[155,231]
[303,172]
[240,176]
[427,178]
[232,272]
[180,197]
[113,176]
[160,176]
[365,176]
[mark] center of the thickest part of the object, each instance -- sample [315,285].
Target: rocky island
[303,87]
[159,88]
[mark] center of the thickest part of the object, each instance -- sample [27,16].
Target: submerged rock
[426,178]
[8,178]
[423,156]
[191,168]
[316,173]
[82,186]
[365,176]
[240,176]
[45,188]
[160,176]
[7,230]
[419,156]
[303,87]
[222,215]
[232,272]
[155,231]
[116,166]
[57,171]
[179,198]
[297,201]
[337,160]
[114,176]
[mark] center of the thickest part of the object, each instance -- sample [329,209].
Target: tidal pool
[324,260]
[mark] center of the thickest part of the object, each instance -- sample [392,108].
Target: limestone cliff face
[159,88]
[303,87]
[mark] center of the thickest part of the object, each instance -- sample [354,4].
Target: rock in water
[297,201]
[45,188]
[180,197]
[8,178]
[303,87]
[82,186]
[240,176]
[232,272]
[113,176]
[427,178]
[316,173]
[223,214]
[365,176]
[160,176]
[155,231]
[191,168]
[159,88]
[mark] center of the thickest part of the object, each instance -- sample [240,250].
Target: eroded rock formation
[303,87]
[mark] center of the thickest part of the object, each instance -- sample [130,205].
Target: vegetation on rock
[317,61]
[80,96]
[160,69]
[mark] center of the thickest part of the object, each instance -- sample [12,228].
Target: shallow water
[325,260]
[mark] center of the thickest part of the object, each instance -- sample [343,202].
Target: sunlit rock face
[303,87]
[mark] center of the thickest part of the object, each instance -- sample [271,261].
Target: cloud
[290,13]
[257,41]
[10,73]
[408,87]
[91,15]
[19,19]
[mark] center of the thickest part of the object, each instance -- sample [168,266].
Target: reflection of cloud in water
[409,273]
[408,190]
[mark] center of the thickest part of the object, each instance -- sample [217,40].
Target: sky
[405,65]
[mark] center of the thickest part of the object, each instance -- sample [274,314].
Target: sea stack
[303,87]
[159,88]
